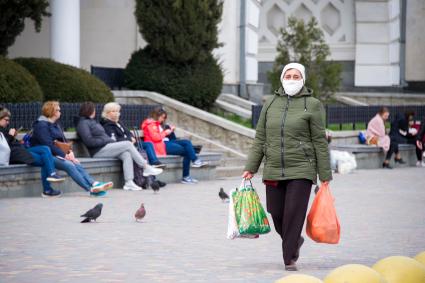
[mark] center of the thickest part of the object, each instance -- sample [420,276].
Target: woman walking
[291,136]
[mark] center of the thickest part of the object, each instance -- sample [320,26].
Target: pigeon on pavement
[140,213]
[93,213]
[223,195]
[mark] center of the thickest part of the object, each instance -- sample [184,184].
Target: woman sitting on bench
[45,132]
[13,152]
[100,144]
[154,131]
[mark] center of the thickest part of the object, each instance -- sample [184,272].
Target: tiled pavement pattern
[182,238]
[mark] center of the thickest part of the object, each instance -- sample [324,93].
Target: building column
[377,61]
[249,28]
[65,31]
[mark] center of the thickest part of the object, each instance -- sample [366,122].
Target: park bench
[23,180]
[20,180]
[371,157]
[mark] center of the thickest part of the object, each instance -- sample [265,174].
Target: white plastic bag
[232,226]
[342,161]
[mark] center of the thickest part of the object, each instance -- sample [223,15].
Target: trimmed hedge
[17,84]
[195,84]
[66,83]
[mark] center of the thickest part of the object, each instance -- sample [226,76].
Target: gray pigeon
[223,195]
[140,213]
[93,213]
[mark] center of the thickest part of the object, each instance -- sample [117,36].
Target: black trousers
[288,203]
[393,149]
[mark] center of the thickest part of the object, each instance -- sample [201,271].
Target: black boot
[386,165]
[400,160]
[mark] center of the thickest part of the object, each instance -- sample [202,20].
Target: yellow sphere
[299,278]
[421,257]
[401,269]
[354,273]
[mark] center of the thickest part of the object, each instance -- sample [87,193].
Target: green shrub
[180,31]
[66,83]
[195,84]
[178,60]
[17,84]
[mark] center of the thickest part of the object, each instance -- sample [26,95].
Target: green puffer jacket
[291,135]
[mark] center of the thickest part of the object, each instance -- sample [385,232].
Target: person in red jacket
[162,139]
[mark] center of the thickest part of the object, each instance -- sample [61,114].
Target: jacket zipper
[282,142]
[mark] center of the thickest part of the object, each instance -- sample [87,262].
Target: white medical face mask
[292,87]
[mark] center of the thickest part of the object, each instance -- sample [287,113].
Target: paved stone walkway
[182,239]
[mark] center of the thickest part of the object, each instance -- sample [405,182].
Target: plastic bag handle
[244,182]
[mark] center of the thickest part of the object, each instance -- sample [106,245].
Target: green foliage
[197,84]
[17,84]
[177,61]
[12,19]
[232,117]
[304,43]
[66,83]
[180,31]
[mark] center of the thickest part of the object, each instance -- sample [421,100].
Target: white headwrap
[297,66]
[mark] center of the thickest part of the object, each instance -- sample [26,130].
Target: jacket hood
[43,118]
[304,92]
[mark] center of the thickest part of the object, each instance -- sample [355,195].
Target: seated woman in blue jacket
[45,132]
[12,152]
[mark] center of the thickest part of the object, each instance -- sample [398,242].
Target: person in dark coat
[114,128]
[101,145]
[399,134]
[46,131]
[420,145]
[14,152]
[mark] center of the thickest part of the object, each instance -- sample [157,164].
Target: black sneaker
[51,194]
[55,178]
[158,164]
[161,184]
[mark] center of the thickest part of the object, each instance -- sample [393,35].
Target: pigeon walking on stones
[140,213]
[92,214]
[223,195]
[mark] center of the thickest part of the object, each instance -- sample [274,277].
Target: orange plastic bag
[322,221]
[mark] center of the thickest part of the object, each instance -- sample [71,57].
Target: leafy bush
[177,61]
[66,83]
[17,84]
[180,31]
[305,44]
[195,84]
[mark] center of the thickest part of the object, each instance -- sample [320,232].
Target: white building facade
[379,42]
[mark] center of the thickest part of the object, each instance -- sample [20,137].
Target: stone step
[229,171]
[232,108]
[236,100]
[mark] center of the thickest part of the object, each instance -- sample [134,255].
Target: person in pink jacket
[376,135]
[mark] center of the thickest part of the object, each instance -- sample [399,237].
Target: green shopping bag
[250,215]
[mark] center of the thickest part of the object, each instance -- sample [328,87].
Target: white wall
[377,44]
[415,40]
